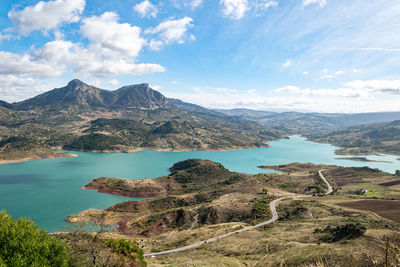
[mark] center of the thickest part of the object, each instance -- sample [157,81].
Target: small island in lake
[365,159]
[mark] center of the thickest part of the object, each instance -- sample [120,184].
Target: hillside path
[275,217]
[330,189]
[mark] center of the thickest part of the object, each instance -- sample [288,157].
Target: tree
[23,243]
[265,191]
[397,172]
[91,247]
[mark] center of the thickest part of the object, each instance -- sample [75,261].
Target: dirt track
[397,182]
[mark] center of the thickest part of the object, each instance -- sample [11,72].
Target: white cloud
[196,3]
[321,3]
[291,98]
[46,15]
[13,87]
[339,72]
[341,92]
[92,61]
[367,49]
[381,86]
[305,73]
[356,88]
[155,45]
[156,87]
[113,82]
[6,36]
[234,9]
[174,82]
[105,33]
[332,76]
[146,9]
[112,50]
[287,63]
[262,5]
[11,63]
[170,31]
[192,4]
[328,77]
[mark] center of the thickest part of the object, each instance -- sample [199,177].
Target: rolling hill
[83,117]
[363,139]
[311,123]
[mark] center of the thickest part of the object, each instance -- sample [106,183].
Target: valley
[81,117]
[180,215]
[211,186]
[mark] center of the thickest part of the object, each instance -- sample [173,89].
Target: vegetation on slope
[82,117]
[175,134]
[23,243]
[312,123]
[195,193]
[312,231]
[21,147]
[365,139]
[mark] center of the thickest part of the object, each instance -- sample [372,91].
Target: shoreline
[363,160]
[65,155]
[341,151]
[135,150]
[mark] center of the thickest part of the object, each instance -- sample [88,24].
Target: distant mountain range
[83,117]
[364,139]
[83,95]
[311,123]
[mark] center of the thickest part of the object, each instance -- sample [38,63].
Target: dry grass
[287,243]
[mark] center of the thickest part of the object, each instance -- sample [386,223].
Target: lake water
[48,190]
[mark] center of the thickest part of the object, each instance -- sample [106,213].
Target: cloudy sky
[305,55]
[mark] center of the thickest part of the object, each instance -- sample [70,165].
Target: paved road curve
[330,189]
[275,217]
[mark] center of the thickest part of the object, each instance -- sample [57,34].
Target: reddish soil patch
[123,228]
[389,209]
[397,182]
[122,193]
[343,176]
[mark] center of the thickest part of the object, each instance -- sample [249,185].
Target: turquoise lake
[48,190]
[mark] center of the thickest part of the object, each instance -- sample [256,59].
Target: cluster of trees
[95,141]
[23,243]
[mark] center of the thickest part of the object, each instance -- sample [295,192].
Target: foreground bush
[348,231]
[23,243]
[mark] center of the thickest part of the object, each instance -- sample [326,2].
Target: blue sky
[305,55]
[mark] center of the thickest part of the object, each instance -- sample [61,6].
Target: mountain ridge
[135,117]
[81,94]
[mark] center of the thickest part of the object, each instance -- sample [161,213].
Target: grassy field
[291,242]
[201,200]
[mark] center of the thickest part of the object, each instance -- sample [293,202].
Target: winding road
[275,217]
[330,189]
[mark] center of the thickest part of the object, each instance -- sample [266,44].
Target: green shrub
[261,209]
[128,250]
[23,243]
[95,141]
[348,231]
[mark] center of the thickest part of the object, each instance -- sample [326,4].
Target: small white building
[363,191]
